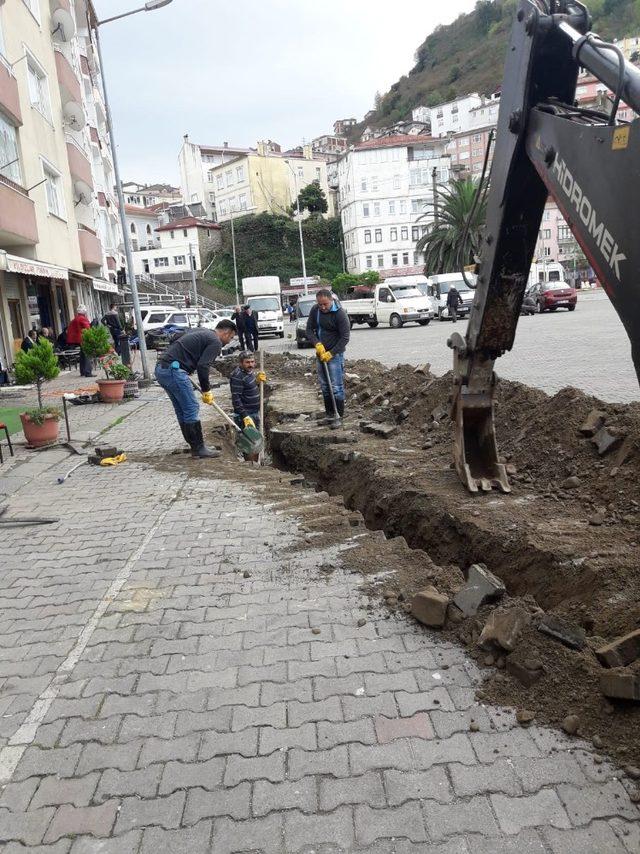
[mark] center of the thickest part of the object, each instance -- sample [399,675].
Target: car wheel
[395,321]
[553,308]
[281,334]
[424,322]
[572,308]
[372,323]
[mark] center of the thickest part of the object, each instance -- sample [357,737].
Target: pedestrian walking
[245,393]
[454,300]
[74,339]
[112,321]
[329,330]
[195,351]
[238,318]
[291,312]
[250,328]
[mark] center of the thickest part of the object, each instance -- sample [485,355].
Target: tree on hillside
[313,199]
[453,240]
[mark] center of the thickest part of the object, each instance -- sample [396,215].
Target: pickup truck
[395,304]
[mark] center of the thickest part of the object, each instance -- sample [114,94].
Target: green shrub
[38,416]
[37,366]
[96,342]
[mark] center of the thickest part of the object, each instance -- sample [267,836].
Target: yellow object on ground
[114,461]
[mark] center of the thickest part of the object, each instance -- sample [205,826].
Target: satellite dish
[74,115]
[64,27]
[84,191]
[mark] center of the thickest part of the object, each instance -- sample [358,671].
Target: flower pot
[39,435]
[111,391]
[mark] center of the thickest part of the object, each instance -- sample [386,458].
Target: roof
[393,141]
[134,210]
[188,222]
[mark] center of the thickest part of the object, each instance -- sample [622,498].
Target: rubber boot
[336,422]
[329,415]
[185,433]
[196,440]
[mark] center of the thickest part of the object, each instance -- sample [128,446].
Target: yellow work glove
[327,356]
[320,349]
[261,377]
[248,422]
[113,461]
[207,397]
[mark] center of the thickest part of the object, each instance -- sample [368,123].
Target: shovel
[249,438]
[336,416]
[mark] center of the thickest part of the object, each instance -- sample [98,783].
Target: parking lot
[587,348]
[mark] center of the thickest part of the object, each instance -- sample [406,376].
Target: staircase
[151,291]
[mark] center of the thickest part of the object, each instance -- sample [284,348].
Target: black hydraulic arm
[589,164]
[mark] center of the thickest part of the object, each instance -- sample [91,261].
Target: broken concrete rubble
[606,441]
[526,675]
[620,652]
[384,431]
[482,586]
[430,607]
[504,627]
[621,685]
[572,636]
[593,422]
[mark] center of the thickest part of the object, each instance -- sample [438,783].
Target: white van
[438,287]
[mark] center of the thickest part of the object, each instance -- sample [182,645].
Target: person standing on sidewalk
[74,339]
[454,300]
[112,321]
[195,351]
[238,319]
[250,329]
[329,330]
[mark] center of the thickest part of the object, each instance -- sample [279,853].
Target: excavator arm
[589,164]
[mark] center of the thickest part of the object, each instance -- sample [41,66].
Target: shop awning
[27,267]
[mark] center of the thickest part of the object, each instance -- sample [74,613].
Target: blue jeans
[178,386]
[336,374]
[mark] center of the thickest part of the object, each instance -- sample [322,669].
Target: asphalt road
[587,348]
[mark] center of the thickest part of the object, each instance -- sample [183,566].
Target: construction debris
[605,441]
[573,637]
[524,671]
[593,422]
[504,627]
[621,685]
[571,724]
[430,607]
[384,431]
[620,652]
[482,587]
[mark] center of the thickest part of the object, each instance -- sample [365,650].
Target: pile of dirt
[565,543]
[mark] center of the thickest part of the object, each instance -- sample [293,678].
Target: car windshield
[265,304]
[460,286]
[304,307]
[556,286]
[400,292]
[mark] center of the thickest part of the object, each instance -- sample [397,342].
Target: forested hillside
[468,55]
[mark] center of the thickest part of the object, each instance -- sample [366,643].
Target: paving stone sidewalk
[178,675]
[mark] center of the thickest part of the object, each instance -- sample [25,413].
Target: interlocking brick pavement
[154,699]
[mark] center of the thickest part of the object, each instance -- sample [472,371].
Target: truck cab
[262,293]
[438,287]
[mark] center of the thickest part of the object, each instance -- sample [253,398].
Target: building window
[392,208]
[38,88]
[367,235]
[376,208]
[239,174]
[212,198]
[172,234]
[405,259]
[160,262]
[132,228]
[380,260]
[34,7]
[564,232]
[365,209]
[219,182]
[242,201]
[9,156]
[148,230]
[393,235]
[374,183]
[417,205]
[369,261]
[403,206]
[545,233]
[396,182]
[546,251]
[404,233]
[394,259]
[185,233]
[229,177]
[318,173]
[378,235]
[546,216]
[179,260]
[223,208]
[363,185]
[210,176]
[53,185]
[415,233]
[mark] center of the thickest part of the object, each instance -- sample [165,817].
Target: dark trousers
[252,339]
[85,365]
[241,339]
[453,312]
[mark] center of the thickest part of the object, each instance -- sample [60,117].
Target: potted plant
[96,344]
[37,366]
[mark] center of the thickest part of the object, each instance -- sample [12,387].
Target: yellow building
[265,181]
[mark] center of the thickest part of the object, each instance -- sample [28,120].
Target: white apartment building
[58,218]
[141,225]
[385,192]
[486,113]
[148,195]
[168,255]
[454,116]
[196,163]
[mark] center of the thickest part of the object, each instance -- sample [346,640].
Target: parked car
[302,309]
[550,296]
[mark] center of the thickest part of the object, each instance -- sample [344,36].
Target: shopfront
[96,294]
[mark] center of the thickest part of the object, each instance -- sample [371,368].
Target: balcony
[9,100]
[79,165]
[70,91]
[90,248]
[17,216]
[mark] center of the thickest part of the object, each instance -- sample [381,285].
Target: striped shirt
[245,394]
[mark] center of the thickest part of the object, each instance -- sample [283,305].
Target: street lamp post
[304,263]
[233,246]
[131,276]
[194,284]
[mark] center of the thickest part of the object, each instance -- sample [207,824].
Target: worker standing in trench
[329,330]
[193,351]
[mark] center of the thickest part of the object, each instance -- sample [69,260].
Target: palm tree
[452,240]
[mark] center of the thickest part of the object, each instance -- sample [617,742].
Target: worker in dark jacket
[193,351]
[328,328]
[454,301]
[112,321]
[250,328]
[238,319]
[245,393]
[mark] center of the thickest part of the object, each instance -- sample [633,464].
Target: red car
[550,296]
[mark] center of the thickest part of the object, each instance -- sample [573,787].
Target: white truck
[262,293]
[392,303]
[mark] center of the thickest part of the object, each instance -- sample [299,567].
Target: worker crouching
[245,394]
[194,351]
[329,330]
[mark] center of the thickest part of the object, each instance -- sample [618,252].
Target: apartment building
[265,181]
[196,163]
[148,195]
[141,223]
[453,116]
[386,196]
[166,255]
[59,227]
[343,126]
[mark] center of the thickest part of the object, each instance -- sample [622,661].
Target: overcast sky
[247,69]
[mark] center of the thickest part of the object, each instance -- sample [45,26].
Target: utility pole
[233,246]
[304,263]
[192,264]
[434,186]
